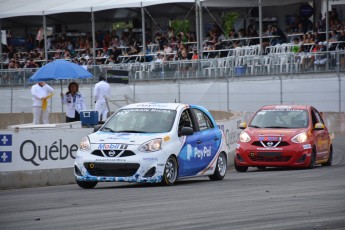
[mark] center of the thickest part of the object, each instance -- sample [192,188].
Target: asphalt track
[270,199]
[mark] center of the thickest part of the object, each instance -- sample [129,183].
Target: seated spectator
[300,28]
[133,50]
[66,54]
[320,59]
[57,54]
[195,55]
[12,64]
[280,39]
[159,58]
[116,53]
[333,38]
[31,64]
[342,39]
[296,45]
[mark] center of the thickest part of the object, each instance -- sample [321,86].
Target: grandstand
[265,42]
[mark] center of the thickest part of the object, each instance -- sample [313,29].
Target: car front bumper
[142,167]
[295,155]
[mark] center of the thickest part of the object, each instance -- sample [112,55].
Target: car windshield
[141,120]
[280,119]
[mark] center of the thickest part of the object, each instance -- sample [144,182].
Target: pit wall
[44,155]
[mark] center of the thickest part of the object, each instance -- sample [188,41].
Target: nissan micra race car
[284,136]
[153,142]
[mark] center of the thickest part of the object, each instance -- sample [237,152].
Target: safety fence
[250,64]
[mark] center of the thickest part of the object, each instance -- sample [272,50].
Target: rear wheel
[87,184]
[170,171]
[330,157]
[240,168]
[221,167]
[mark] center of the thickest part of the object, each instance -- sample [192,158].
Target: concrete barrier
[56,175]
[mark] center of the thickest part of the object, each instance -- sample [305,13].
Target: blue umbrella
[60,70]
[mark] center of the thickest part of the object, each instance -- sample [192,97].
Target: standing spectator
[41,92]
[74,102]
[101,92]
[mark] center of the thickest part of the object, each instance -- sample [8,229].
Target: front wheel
[312,159]
[240,168]
[87,184]
[170,171]
[330,157]
[221,167]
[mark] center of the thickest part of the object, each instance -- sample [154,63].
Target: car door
[200,148]
[322,137]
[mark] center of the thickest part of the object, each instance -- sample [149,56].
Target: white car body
[119,155]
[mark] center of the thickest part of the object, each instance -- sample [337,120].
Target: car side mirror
[319,126]
[242,125]
[186,131]
[96,128]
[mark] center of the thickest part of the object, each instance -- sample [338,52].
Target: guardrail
[233,66]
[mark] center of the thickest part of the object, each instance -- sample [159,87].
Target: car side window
[185,120]
[203,120]
[317,116]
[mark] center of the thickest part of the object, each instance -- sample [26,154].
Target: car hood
[288,133]
[123,138]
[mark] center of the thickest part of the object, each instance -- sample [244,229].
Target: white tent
[14,8]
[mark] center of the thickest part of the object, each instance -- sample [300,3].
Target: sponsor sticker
[264,149]
[167,138]
[112,146]
[307,146]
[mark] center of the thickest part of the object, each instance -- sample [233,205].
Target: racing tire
[221,167]
[330,157]
[240,168]
[87,184]
[170,171]
[312,159]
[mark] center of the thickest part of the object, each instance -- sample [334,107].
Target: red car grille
[115,170]
[268,157]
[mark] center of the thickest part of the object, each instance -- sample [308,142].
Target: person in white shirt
[41,92]
[74,102]
[101,92]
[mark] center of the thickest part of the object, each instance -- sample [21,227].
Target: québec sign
[39,149]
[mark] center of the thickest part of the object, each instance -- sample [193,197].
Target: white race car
[153,142]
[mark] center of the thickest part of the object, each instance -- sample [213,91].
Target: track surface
[270,199]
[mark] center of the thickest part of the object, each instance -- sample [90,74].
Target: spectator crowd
[165,45]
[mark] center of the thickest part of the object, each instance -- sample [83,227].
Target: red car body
[284,136]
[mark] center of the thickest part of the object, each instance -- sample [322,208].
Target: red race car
[284,136]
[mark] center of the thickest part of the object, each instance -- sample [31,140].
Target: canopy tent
[15,8]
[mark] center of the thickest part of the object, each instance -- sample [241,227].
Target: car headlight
[151,146]
[85,144]
[244,137]
[300,138]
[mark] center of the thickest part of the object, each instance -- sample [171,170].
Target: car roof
[285,107]
[155,105]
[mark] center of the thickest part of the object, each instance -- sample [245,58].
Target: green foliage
[229,20]
[180,26]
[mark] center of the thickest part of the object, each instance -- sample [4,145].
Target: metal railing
[228,67]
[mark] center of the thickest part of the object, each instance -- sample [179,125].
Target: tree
[229,20]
